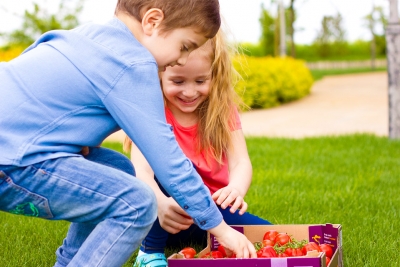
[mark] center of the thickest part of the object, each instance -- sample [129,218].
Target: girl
[200,106]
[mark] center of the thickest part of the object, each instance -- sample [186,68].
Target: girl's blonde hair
[216,114]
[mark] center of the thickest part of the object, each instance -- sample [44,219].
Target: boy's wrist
[220,229]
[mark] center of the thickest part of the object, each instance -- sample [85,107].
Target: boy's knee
[125,165]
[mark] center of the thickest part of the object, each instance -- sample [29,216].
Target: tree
[374,20]
[271,28]
[331,38]
[290,15]
[282,28]
[40,21]
[268,25]
[271,33]
[291,20]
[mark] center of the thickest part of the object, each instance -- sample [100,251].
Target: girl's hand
[172,217]
[229,196]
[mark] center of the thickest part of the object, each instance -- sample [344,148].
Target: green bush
[270,81]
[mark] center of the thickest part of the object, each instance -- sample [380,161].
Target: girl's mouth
[188,101]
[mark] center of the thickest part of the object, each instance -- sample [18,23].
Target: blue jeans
[158,238]
[111,211]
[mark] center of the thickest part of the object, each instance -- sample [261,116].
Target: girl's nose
[189,91]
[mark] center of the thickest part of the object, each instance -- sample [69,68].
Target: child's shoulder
[112,27]
[114,37]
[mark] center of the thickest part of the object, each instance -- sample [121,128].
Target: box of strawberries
[304,245]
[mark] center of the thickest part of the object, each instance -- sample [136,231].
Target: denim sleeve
[137,104]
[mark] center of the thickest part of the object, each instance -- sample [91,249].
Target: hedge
[270,81]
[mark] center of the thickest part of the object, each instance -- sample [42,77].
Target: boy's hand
[234,241]
[172,217]
[227,196]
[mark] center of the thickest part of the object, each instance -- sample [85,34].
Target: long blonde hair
[216,113]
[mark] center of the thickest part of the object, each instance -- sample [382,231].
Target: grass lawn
[319,74]
[351,180]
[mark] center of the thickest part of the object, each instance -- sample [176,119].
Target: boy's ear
[151,20]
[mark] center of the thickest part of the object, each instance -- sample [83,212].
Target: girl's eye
[200,81]
[177,82]
[185,48]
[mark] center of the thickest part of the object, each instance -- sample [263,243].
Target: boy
[72,89]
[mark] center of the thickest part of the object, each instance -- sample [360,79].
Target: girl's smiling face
[186,87]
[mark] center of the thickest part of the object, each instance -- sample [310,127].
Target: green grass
[350,180]
[319,74]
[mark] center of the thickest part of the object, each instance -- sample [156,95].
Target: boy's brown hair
[203,15]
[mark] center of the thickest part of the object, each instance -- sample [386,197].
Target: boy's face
[173,47]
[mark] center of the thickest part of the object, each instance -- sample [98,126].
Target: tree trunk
[393,57]
[291,29]
[282,25]
[277,40]
[373,52]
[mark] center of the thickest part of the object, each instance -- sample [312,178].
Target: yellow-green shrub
[6,54]
[271,81]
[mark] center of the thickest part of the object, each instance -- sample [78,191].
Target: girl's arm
[172,217]
[144,171]
[240,174]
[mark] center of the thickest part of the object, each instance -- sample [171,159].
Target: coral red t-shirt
[214,175]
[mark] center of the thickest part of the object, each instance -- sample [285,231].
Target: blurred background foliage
[268,79]
[330,43]
[41,20]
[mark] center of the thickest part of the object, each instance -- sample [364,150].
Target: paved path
[343,104]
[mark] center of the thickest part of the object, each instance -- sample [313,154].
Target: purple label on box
[324,234]
[213,241]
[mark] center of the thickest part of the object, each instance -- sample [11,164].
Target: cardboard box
[319,233]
